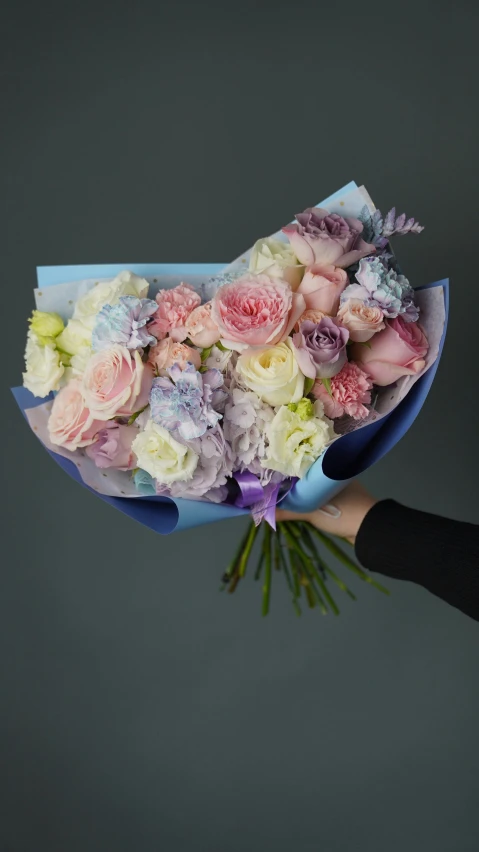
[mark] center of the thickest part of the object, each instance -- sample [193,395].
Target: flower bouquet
[189,394]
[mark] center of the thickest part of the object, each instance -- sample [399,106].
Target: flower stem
[267,569]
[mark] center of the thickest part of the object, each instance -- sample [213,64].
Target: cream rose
[75,337]
[44,370]
[116,383]
[361,320]
[164,458]
[108,293]
[296,443]
[276,258]
[272,373]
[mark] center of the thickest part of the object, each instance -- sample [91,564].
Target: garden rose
[276,258]
[361,320]
[272,373]
[112,446]
[174,308]
[350,390]
[321,348]
[201,328]
[255,310]
[71,424]
[295,442]
[43,369]
[167,352]
[116,383]
[162,456]
[324,238]
[322,287]
[397,351]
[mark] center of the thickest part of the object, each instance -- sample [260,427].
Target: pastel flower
[71,424]
[350,392]
[322,287]
[125,324]
[45,325]
[116,383]
[295,443]
[112,446]
[75,337]
[167,352]
[144,483]
[273,373]
[399,350]
[213,468]
[43,369]
[311,315]
[185,401]
[201,328]
[361,320]
[381,287]
[108,293]
[245,418]
[321,349]
[324,238]
[274,257]
[218,359]
[255,310]
[174,308]
[162,456]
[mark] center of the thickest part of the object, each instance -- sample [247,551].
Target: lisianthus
[276,258]
[186,401]
[75,337]
[125,323]
[174,308]
[43,368]
[324,238]
[45,325]
[273,373]
[162,456]
[348,392]
[295,442]
[321,348]
[255,310]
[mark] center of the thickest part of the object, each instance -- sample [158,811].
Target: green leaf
[135,415]
[327,385]
[205,353]
[308,384]
[221,347]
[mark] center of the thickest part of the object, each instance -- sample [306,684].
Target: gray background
[140,710]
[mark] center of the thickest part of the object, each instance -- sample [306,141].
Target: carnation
[349,392]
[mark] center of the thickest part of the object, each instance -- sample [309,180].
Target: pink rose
[116,383]
[255,310]
[322,237]
[174,308]
[200,327]
[397,351]
[167,352]
[112,447]
[322,287]
[310,315]
[350,389]
[71,424]
[361,320]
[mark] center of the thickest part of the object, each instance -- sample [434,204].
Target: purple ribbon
[261,499]
[250,487]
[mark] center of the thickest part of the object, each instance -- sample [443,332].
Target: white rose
[272,373]
[108,293]
[75,337]
[164,458]
[43,367]
[272,257]
[295,443]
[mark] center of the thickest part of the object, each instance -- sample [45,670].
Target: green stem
[267,567]
[243,560]
[286,570]
[344,558]
[308,567]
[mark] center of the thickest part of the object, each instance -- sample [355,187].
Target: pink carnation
[167,352]
[174,308]
[350,388]
[256,310]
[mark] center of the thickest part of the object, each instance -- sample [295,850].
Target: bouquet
[185,395]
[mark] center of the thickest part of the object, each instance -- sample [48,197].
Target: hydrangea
[214,466]
[124,323]
[186,401]
[245,419]
[381,287]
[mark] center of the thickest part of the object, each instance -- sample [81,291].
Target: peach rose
[174,308]
[322,287]
[71,424]
[397,351]
[200,327]
[116,383]
[167,352]
[310,316]
[361,320]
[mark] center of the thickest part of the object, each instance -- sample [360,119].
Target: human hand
[342,517]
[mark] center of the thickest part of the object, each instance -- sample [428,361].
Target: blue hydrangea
[381,287]
[185,401]
[125,323]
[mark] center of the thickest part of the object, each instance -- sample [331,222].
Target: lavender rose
[112,447]
[324,238]
[321,348]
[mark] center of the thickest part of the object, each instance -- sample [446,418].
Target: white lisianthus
[44,369]
[273,257]
[108,293]
[295,442]
[75,337]
[272,373]
[164,458]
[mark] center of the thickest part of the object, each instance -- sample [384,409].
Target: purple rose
[323,238]
[321,348]
[112,447]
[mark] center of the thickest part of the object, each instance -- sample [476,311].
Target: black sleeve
[440,554]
